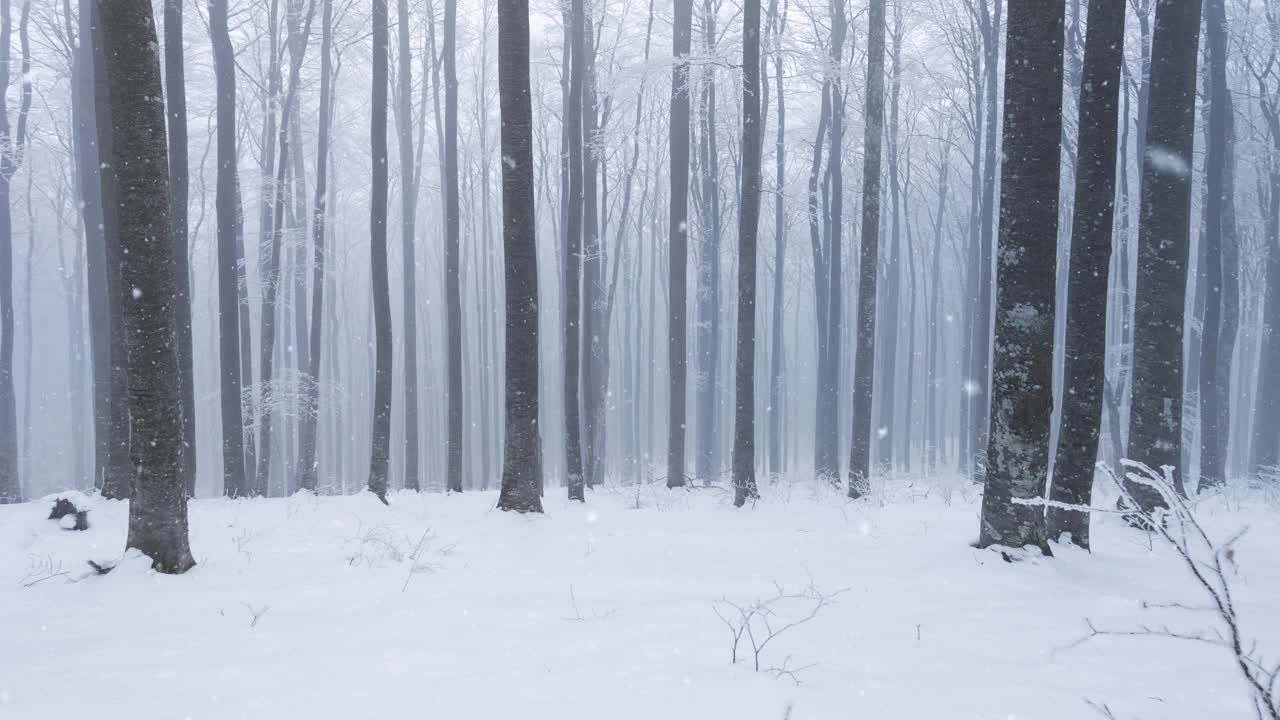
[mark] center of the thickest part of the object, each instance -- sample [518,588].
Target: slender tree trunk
[1085,347]
[1155,421]
[744,475]
[307,464]
[227,201]
[522,454]
[380,440]
[1214,394]
[14,143]
[1022,379]
[149,287]
[777,348]
[708,296]
[408,209]
[573,254]
[176,95]
[678,260]
[452,272]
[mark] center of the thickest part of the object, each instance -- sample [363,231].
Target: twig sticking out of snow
[256,613]
[759,622]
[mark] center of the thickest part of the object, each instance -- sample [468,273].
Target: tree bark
[522,453]
[1022,377]
[864,357]
[1092,225]
[148,291]
[14,144]
[744,476]
[452,272]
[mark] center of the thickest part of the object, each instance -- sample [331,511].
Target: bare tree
[678,249]
[381,430]
[522,454]
[864,361]
[744,425]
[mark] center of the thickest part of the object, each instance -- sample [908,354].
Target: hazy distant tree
[707,294]
[381,432]
[1155,420]
[307,464]
[522,454]
[408,207]
[272,394]
[13,142]
[744,426]
[176,97]
[678,247]
[573,253]
[1085,349]
[864,359]
[1022,377]
[158,509]
[778,351]
[452,253]
[1217,337]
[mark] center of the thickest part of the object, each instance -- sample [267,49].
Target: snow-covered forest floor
[440,606]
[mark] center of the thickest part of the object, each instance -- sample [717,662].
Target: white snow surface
[483,623]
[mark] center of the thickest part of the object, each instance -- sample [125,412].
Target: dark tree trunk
[176,95]
[594,377]
[864,358]
[1022,379]
[149,287]
[227,202]
[744,426]
[678,259]
[380,439]
[1155,420]
[1085,347]
[522,454]
[1215,381]
[452,269]
[307,464]
[118,477]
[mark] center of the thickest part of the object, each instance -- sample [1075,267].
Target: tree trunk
[864,358]
[522,453]
[1155,420]
[708,295]
[777,348]
[380,440]
[1022,378]
[1085,346]
[573,255]
[149,287]
[14,143]
[678,259]
[452,271]
[307,464]
[176,95]
[408,209]
[744,475]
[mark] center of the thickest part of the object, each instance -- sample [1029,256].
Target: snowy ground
[441,607]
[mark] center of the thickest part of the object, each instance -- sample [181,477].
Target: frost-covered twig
[1211,564]
[760,623]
